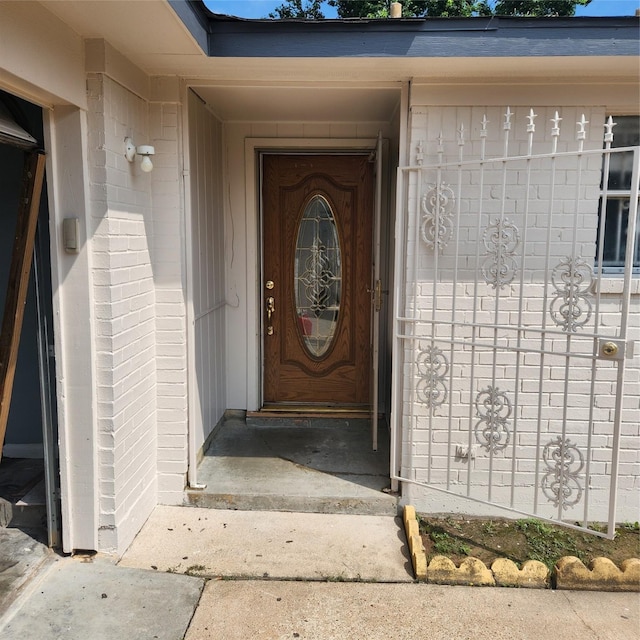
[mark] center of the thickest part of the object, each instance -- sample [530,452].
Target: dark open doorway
[29,472]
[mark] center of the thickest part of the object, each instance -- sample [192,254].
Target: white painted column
[74,336]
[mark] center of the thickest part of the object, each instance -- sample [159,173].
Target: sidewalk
[354,611]
[93,599]
[301,576]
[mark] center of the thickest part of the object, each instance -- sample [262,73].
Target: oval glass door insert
[317,276]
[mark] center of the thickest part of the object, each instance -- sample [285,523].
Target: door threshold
[309,411]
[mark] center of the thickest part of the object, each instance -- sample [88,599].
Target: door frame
[356,238]
[66,190]
[253,148]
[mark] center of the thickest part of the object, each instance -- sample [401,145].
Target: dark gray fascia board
[195,17]
[435,38]
[492,39]
[415,38]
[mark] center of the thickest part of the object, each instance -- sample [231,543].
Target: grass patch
[445,544]
[521,540]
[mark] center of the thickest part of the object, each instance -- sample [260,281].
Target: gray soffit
[226,36]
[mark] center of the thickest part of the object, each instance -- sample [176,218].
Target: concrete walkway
[273,544]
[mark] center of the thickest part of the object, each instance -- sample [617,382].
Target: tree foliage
[312,9]
[410,8]
[300,9]
[376,8]
[545,8]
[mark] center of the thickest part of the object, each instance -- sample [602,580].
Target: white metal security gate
[511,339]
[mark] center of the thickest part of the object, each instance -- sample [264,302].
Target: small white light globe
[146,165]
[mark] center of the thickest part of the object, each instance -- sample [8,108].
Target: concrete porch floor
[313,465]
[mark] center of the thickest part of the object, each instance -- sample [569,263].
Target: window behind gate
[616,195]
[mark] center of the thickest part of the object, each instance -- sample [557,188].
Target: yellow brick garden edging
[416,548]
[601,575]
[569,572]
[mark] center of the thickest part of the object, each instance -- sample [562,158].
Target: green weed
[547,544]
[456,525]
[489,528]
[445,544]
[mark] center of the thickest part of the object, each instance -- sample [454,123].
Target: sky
[262,8]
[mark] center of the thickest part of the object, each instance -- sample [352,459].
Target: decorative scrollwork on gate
[433,367]
[493,407]
[501,239]
[560,483]
[437,206]
[571,306]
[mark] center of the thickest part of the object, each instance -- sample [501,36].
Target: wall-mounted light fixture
[144,150]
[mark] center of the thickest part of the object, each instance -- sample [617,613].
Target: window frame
[619,195]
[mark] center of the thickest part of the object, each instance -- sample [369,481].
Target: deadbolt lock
[269,284]
[611,349]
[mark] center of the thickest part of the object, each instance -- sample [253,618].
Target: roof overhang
[348,70]
[182,38]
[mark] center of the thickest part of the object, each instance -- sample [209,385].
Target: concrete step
[381,505]
[22,493]
[30,512]
[24,516]
[306,465]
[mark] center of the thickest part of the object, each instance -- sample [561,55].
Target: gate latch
[611,349]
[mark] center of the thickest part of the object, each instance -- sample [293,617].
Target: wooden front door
[317,221]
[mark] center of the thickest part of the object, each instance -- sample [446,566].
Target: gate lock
[611,349]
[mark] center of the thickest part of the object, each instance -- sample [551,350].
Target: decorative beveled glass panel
[318,276]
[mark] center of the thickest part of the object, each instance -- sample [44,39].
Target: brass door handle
[271,309]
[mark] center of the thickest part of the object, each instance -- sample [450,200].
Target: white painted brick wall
[167,262]
[124,291]
[137,244]
[430,437]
